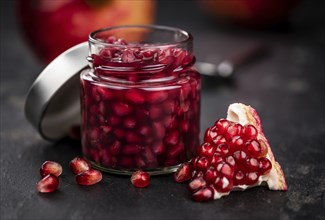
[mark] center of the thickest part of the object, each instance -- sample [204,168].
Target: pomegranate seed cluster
[147,124]
[230,156]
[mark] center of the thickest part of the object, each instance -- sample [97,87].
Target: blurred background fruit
[249,13]
[52,26]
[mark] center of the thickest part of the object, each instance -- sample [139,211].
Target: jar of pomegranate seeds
[140,99]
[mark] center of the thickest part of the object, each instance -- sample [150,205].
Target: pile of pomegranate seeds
[140,179]
[85,175]
[230,156]
[50,171]
[79,165]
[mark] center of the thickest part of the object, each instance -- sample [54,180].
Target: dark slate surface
[286,88]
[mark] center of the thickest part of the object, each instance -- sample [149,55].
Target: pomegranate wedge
[235,155]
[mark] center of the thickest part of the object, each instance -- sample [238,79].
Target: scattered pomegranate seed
[48,183]
[50,167]
[79,165]
[89,177]
[183,173]
[140,179]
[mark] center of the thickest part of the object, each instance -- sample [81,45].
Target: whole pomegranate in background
[52,26]
[249,13]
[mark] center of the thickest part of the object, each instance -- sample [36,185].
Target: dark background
[286,88]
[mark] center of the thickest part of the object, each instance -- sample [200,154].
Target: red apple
[251,13]
[52,26]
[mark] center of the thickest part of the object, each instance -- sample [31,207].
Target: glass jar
[140,99]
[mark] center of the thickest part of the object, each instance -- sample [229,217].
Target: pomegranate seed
[158,148]
[119,133]
[206,150]
[197,174]
[202,164]
[239,178]
[131,149]
[172,137]
[225,169]
[155,112]
[144,130]
[150,157]
[249,132]
[113,120]
[196,184]
[222,125]
[210,134]
[114,148]
[140,179]
[169,106]
[48,183]
[235,143]
[233,130]
[50,167]
[128,56]
[219,139]
[105,93]
[156,96]
[106,129]
[254,148]
[183,173]
[231,161]
[204,194]
[89,177]
[175,150]
[265,166]
[79,165]
[147,54]
[94,133]
[216,159]
[132,137]
[159,130]
[210,175]
[193,162]
[251,178]
[122,109]
[252,164]
[139,162]
[240,156]
[129,123]
[223,184]
[185,125]
[222,149]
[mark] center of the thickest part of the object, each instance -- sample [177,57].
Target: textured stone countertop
[286,88]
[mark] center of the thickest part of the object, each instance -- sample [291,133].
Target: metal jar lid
[53,101]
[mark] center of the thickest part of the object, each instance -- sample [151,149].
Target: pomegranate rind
[243,114]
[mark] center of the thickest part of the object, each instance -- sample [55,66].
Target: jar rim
[188,37]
